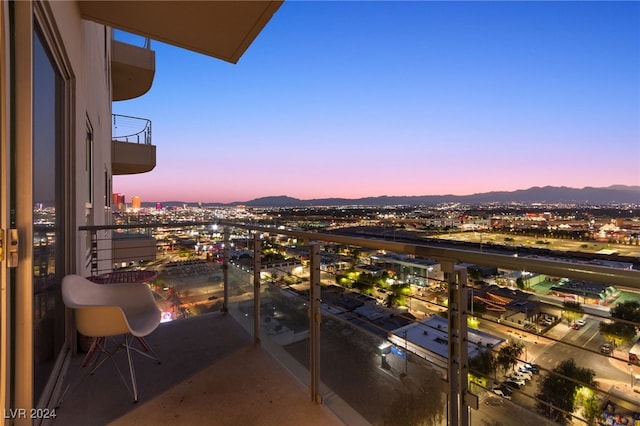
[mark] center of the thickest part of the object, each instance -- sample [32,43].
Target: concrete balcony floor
[211,373]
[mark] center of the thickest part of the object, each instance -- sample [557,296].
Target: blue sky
[355,99]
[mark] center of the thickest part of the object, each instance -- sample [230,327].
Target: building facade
[60,70]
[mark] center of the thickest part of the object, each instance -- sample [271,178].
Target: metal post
[257,250]
[225,268]
[315,316]
[406,353]
[458,352]
[94,252]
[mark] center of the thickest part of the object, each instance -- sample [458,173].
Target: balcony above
[132,70]
[130,158]
[221,29]
[131,148]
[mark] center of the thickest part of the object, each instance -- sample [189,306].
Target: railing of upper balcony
[129,38]
[376,350]
[131,129]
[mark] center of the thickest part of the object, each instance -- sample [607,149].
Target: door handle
[12,248]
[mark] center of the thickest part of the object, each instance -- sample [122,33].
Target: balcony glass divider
[387,348]
[257,250]
[315,316]
[225,267]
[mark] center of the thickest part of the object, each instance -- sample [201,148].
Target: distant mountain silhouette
[536,194]
[548,194]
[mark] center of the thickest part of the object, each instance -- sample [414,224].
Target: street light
[526,354]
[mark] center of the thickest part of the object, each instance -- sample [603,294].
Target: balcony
[132,69]
[211,373]
[221,29]
[274,340]
[131,148]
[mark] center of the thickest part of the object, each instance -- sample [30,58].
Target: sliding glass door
[48,190]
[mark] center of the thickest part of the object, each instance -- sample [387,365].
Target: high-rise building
[45,69]
[135,202]
[117,201]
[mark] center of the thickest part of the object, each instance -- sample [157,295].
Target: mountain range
[622,194]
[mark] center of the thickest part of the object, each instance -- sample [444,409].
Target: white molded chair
[106,310]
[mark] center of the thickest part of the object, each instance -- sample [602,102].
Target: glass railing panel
[577,340]
[565,328]
[378,377]
[240,288]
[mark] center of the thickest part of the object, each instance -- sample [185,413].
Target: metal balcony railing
[395,341]
[125,128]
[135,40]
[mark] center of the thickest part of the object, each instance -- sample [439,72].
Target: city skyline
[360,99]
[549,195]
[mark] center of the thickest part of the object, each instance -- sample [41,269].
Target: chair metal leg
[148,350]
[100,353]
[95,345]
[131,370]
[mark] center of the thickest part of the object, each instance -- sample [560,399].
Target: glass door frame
[24,17]
[5,295]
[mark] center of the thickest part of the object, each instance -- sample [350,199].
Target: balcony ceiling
[222,29]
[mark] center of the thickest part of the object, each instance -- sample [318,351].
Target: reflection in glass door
[48,309]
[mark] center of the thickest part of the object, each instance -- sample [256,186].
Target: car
[581,322]
[518,380]
[576,326]
[526,374]
[520,375]
[534,368]
[606,348]
[505,389]
[502,391]
[511,384]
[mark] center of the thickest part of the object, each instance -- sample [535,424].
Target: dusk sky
[356,99]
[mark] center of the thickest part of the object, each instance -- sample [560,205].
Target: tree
[572,311]
[558,389]
[618,332]
[508,355]
[484,363]
[474,273]
[622,331]
[363,287]
[520,283]
[628,311]
[591,409]
[393,300]
[422,407]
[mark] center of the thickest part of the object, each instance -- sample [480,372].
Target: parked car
[526,374]
[502,391]
[505,389]
[581,322]
[576,326]
[511,384]
[519,375]
[534,368]
[515,379]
